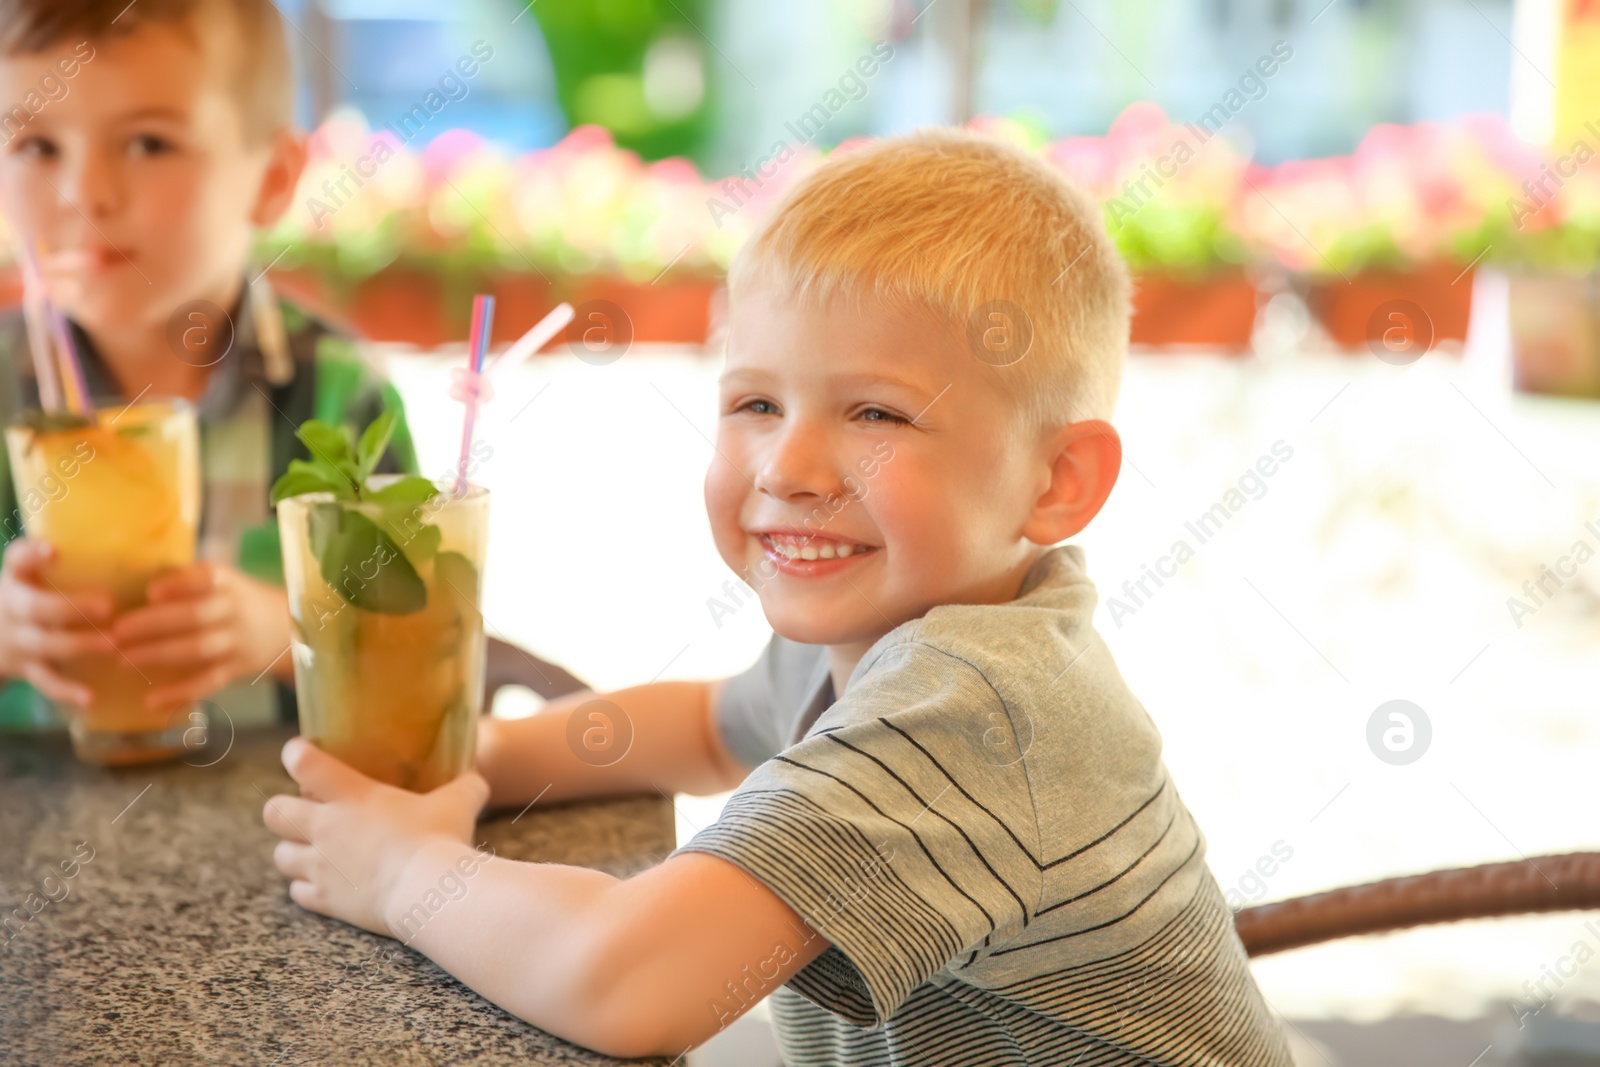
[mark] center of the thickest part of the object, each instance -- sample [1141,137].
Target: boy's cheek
[725,489]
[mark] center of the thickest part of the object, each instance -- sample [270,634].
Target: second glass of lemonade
[117,494]
[388,638]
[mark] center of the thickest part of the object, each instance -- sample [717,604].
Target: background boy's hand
[40,627]
[347,839]
[214,622]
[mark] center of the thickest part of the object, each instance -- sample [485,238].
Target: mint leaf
[418,543]
[373,441]
[331,442]
[363,564]
[299,481]
[330,478]
[456,573]
[410,490]
[331,445]
[405,515]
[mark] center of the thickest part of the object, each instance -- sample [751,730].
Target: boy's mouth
[810,554]
[82,261]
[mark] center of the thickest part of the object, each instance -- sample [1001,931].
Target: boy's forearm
[517,933]
[651,965]
[671,747]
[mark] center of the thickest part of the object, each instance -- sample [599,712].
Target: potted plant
[1395,223]
[1167,192]
[397,256]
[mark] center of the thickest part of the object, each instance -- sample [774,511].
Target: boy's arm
[651,965]
[675,746]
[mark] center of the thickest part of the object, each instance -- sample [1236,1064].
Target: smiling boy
[953,839]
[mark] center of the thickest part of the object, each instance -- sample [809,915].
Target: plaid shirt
[282,368]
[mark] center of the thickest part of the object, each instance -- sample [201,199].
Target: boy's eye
[35,148]
[149,144]
[882,415]
[759,407]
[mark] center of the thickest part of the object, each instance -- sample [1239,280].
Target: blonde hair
[974,229]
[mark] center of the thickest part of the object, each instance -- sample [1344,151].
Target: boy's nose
[798,463]
[91,186]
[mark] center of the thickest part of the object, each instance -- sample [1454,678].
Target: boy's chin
[102,312]
[814,626]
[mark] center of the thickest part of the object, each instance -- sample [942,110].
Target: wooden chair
[1569,882]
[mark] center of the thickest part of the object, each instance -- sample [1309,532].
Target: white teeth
[808,549]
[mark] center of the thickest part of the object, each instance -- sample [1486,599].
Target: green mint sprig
[341,466]
[372,565]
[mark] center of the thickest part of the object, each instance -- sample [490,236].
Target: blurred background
[1365,232]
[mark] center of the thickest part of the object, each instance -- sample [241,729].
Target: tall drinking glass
[388,639]
[117,494]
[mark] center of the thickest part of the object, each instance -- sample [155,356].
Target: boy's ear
[1085,459]
[286,159]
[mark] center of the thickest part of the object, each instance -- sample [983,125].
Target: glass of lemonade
[117,494]
[388,638]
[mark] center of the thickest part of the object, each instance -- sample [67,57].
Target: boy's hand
[211,620]
[347,839]
[40,627]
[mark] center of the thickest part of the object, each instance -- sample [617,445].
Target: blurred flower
[1168,190]
[580,206]
[1176,198]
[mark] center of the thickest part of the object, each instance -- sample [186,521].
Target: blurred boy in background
[143,146]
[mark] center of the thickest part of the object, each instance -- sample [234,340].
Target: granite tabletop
[147,924]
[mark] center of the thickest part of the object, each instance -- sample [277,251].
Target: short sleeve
[757,710]
[889,831]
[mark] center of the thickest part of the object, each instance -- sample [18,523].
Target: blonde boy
[953,839]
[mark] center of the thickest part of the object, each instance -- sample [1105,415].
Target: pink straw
[66,352]
[477,345]
[78,400]
[36,314]
[530,342]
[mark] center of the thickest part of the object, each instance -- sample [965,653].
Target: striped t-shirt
[983,829]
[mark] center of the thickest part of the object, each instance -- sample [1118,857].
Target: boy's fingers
[161,619]
[321,776]
[290,818]
[293,860]
[308,896]
[191,581]
[55,686]
[26,557]
[202,647]
[195,687]
[59,644]
[46,607]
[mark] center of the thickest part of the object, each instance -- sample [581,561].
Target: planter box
[1349,310]
[423,308]
[1216,310]
[1555,334]
[677,311]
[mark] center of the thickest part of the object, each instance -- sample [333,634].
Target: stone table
[174,941]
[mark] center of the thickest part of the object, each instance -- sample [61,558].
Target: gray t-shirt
[984,830]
